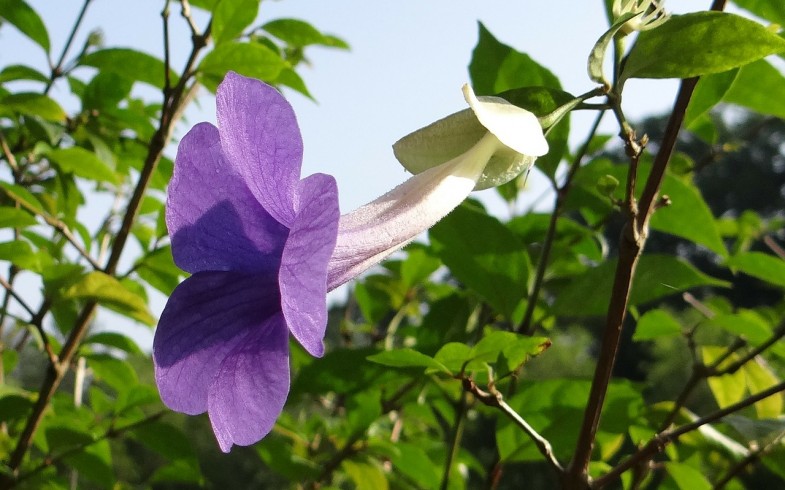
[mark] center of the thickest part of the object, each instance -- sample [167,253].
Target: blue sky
[405,69]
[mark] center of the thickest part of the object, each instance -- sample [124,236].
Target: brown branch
[658,443]
[754,455]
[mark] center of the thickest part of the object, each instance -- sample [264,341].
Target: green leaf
[23,17]
[744,323]
[21,72]
[515,348]
[82,163]
[109,292]
[755,88]
[413,462]
[115,340]
[496,67]
[116,373]
[165,439]
[230,18]
[131,64]
[760,377]
[35,105]
[770,10]
[418,266]
[698,44]
[655,324]
[298,33]
[249,59]
[687,477]
[656,276]
[15,218]
[729,388]
[761,265]
[454,356]
[106,90]
[709,91]
[485,255]
[21,254]
[366,475]
[405,358]
[688,216]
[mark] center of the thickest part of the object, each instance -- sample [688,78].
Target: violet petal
[249,392]
[205,318]
[261,139]
[303,274]
[214,220]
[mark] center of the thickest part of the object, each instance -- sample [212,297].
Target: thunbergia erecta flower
[263,248]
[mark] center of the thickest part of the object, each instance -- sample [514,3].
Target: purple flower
[257,241]
[263,246]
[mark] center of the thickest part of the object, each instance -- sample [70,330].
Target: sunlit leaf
[82,163]
[407,358]
[109,292]
[708,42]
[23,17]
[33,104]
[761,265]
[249,59]
[656,324]
[231,18]
[129,63]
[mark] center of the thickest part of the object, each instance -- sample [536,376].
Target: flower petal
[370,233]
[205,318]
[261,139]
[214,220]
[303,274]
[517,128]
[249,392]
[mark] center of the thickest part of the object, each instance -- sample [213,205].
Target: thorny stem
[172,108]
[657,443]
[526,326]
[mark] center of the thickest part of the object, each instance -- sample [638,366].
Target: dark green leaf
[699,43]
[291,79]
[106,90]
[413,462]
[763,266]
[230,18]
[496,67]
[252,60]
[485,255]
[366,475]
[23,17]
[82,163]
[655,324]
[129,63]
[109,292]
[407,358]
[278,455]
[179,471]
[657,276]
[744,323]
[15,218]
[165,439]
[33,104]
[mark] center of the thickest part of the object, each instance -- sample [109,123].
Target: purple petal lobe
[303,274]
[205,319]
[250,389]
[261,139]
[213,218]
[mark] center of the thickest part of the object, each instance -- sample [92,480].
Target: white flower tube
[372,232]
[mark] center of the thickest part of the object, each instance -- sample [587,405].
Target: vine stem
[460,417]
[58,68]
[172,108]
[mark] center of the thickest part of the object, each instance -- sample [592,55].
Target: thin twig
[57,70]
[186,13]
[494,399]
[774,246]
[754,455]
[657,443]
